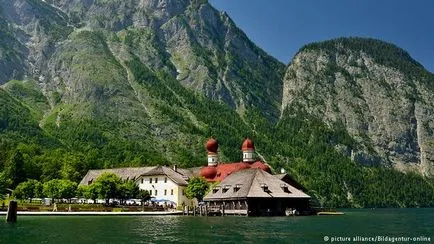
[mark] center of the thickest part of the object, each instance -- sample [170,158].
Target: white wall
[167,190]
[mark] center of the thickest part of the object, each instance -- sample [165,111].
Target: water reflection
[189,229]
[158,228]
[217,229]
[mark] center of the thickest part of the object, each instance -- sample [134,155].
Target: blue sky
[282,27]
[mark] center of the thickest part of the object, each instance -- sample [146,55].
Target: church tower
[212,147]
[248,149]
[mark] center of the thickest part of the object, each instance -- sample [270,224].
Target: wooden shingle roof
[290,180]
[124,173]
[175,176]
[190,172]
[253,183]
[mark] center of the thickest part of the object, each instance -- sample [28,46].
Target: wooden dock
[214,211]
[330,213]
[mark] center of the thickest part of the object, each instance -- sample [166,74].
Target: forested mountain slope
[107,83]
[376,91]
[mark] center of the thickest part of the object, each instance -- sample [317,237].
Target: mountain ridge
[112,85]
[356,86]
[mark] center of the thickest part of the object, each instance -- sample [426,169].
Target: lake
[385,223]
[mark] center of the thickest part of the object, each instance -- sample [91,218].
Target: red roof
[208,172]
[247,145]
[212,145]
[221,171]
[261,165]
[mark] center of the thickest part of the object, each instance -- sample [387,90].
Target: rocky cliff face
[380,95]
[143,70]
[29,31]
[200,46]
[116,15]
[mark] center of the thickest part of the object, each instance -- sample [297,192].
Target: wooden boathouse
[255,192]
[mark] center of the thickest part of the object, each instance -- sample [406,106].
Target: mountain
[376,91]
[136,82]
[91,84]
[29,31]
[189,39]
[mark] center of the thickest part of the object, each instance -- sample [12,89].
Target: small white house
[165,185]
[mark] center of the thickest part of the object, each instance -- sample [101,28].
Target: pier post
[12,212]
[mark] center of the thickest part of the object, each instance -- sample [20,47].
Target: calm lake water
[189,229]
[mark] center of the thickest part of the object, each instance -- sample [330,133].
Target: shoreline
[84,213]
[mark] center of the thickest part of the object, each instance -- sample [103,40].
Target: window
[155,192]
[171,192]
[150,180]
[142,180]
[183,192]
[226,188]
[165,192]
[237,187]
[156,180]
[285,188]
[150,192]
[165,179]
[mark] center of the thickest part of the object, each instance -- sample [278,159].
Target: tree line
[107,186]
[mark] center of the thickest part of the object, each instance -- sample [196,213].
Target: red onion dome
[208,172]
[212,145]
[261,165]
[248,145]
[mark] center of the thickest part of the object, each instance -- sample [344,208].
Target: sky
[282,27]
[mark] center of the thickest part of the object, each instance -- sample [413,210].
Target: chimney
[175,167]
